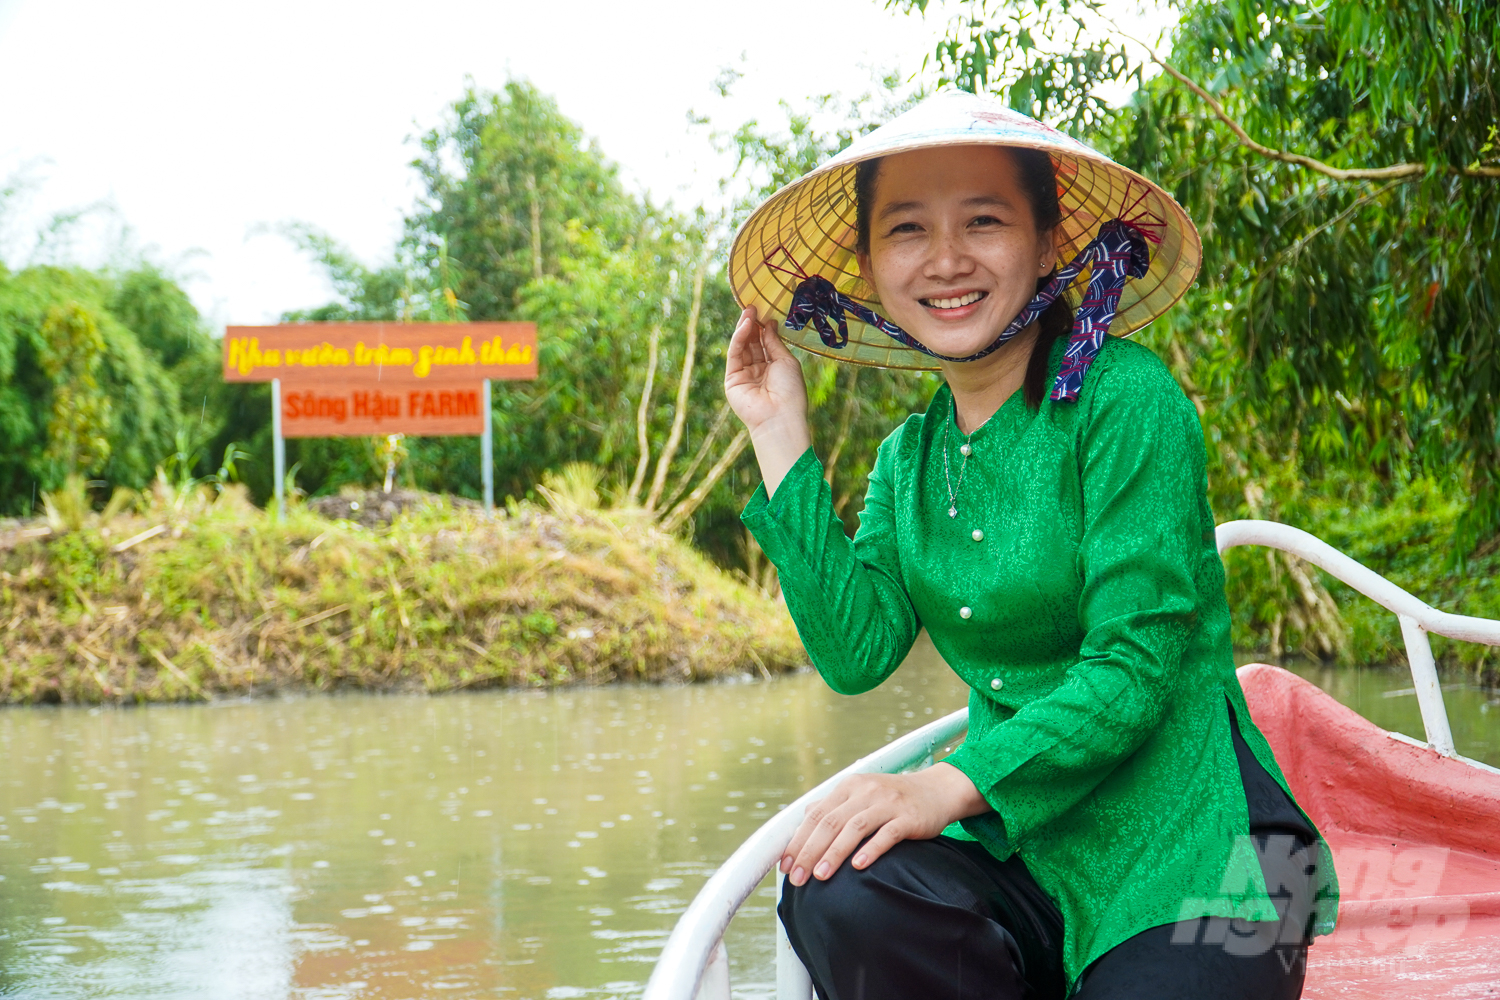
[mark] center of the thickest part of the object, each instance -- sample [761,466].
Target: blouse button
[965,612]
[996,684]
[978,535]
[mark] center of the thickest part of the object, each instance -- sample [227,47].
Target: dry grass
[230,602]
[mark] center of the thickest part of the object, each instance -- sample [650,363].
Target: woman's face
[954,249]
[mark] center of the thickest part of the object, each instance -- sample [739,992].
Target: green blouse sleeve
[1142,470]
[851,608]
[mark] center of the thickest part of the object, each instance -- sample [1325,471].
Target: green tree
[46,356]
[165,322]
[505,174]
[151,304]
[1341,160]
[77,428]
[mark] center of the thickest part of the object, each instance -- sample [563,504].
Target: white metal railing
[694,964]
[1417,617]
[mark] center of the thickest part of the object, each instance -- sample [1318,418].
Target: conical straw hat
[810,224]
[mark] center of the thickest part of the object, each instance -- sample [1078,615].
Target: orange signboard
[388,355]
[314,409]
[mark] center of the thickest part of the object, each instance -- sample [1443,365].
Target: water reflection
[526,845]
[1386,697]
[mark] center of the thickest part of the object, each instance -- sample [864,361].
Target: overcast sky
[199,123]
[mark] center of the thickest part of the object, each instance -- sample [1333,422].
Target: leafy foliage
[72,350]
[1341,340]
[78,389]
[1045,54]
[1334,322]
[504,177]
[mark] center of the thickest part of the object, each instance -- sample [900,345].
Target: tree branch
[695,499]
[1398,172]
[686,479]
[679,418]
[1306,238]
[642,416]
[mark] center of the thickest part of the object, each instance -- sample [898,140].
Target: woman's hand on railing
[763,383]
[874,812]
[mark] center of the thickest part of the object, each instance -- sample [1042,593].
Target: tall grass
[231,601]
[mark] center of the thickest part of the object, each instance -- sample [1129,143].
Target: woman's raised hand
[762,380]
[763,383]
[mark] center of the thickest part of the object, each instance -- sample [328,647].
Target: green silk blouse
[1080,595]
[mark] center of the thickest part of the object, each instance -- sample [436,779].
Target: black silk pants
[940,919]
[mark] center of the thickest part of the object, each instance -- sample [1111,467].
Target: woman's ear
[1048,259]
[863,259]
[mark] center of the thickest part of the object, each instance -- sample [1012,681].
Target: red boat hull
[1416,844]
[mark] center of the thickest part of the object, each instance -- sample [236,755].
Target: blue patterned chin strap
[1121,250]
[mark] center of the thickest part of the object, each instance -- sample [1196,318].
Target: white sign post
[487,452]
[278,449]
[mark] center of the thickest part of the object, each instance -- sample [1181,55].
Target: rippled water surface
[509,844]
[504,844]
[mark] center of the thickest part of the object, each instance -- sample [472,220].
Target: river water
[498,844]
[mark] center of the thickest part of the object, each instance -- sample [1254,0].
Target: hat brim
[810,224]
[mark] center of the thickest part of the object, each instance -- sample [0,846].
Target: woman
[1114,825]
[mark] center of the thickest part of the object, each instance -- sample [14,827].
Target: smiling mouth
[957,302]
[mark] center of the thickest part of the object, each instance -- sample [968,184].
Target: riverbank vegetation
[378,592]
[1340,343]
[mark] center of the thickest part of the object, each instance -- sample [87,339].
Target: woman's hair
[1039,184]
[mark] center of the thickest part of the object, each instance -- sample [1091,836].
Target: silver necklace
[965,450]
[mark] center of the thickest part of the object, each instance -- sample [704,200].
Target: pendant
[953,511]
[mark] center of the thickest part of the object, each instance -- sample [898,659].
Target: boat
[1414,826]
